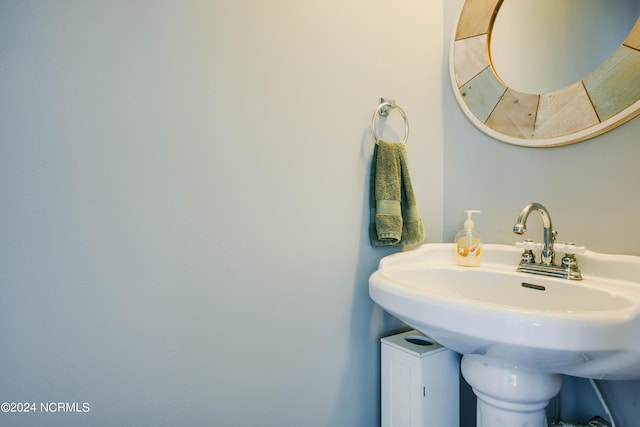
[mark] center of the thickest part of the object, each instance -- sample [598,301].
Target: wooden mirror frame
[606,98]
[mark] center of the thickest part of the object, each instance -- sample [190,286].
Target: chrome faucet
[567,269]
[549,233]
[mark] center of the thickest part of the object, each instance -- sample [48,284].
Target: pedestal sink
[518,332]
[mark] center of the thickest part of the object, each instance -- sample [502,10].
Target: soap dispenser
[468,243]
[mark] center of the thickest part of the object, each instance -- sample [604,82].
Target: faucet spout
[549,234]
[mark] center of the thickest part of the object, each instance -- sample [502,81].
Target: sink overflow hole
[532,286]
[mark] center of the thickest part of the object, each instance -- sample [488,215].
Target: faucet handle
[528,257]
[569,248]
[528,245]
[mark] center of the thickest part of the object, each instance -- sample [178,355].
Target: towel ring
[383,110]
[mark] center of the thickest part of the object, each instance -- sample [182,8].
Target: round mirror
[596,101]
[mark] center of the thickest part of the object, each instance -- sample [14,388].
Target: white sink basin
[588,328]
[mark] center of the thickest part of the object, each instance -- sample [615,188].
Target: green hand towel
[394,215]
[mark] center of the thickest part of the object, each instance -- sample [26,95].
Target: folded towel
[394,215]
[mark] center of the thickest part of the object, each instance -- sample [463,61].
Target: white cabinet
[420,382]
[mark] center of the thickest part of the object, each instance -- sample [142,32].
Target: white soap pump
[468,243]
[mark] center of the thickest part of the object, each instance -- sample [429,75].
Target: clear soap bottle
[468,243]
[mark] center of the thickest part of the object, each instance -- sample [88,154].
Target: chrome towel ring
[383,110]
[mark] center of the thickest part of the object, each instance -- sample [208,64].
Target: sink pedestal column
[508,396]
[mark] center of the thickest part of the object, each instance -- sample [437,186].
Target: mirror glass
[540,46]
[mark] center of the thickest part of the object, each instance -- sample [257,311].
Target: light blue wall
[183,205]
[589,189]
